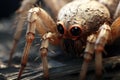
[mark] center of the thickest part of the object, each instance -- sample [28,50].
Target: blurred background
[8,8]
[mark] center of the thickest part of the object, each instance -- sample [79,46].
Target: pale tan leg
[117,12]
[99,47]
[43,53]
[38,20]
[12,51]
[16,38]
[21,14]
[29,39]
[95,44]
[89,50]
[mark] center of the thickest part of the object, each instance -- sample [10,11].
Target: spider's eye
[75,31]
[60,28]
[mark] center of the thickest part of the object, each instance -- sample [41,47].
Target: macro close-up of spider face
[81,27]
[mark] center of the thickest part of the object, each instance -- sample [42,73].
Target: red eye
[75,31]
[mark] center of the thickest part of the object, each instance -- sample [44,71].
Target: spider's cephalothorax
[77,22]
[81,20]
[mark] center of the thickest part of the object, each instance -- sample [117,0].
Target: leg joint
[43,51]
[30,37]
[88,57]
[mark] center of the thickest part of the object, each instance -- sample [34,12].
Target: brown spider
[82,23]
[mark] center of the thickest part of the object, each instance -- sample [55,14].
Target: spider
[80,23]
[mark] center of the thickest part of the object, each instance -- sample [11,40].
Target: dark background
[8,7]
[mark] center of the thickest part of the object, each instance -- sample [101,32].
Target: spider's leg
[29,39]
[43,53]
[40,21]
[17,36]
[103,36]
[21,13]
[117,12]
[32,18]
[96,43]
[89,50]
[47,28]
